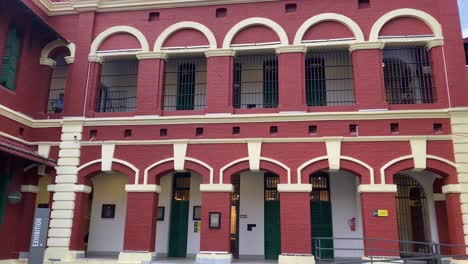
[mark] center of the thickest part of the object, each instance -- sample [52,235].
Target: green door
[178,229]
[321,216]
[4,180]
[272,217]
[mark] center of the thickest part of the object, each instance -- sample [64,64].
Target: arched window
[55,101]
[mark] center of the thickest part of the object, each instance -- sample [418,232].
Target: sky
[463,6]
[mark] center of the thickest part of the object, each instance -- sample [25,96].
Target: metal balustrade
[329,78]
[255,82]
[185,84]
[118,86]
[57,86]
[408,75]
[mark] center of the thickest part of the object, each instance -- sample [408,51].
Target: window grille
[320,187]
[11,56]
[255,81]
[181,189]
[185,84]
[329,78]
[57,86]
[118,86]
[408,75]
[271,187]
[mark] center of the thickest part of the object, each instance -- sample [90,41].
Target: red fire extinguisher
[352,224]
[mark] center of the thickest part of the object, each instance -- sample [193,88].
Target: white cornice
[75,6]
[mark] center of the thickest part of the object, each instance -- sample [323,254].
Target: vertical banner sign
[39,232]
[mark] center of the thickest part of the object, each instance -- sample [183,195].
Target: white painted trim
[88,164]
[307,163]
[45,60]
[158,45]
[390,163]
[43,150]
[406,12]
[225,167]
[438,197]
[255,21]
[419,153]
[288,170]
[152,188]
[180,154]
[254,150]
[377,188]
[362,163]
[333,146]
[29,189]
[307,188]
[123,162]
[216,188]
[116,30]
[220,53]
[107,154]
[208,167]
[81,188]
[346,21]
[145,177]
[446,161]
[453,188]
[291,49]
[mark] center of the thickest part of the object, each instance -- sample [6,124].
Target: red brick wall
[295,223]
[216,239]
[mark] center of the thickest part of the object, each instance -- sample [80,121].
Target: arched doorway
[412,215]
[255,215]
[335,212]
[107,211]
[179,219]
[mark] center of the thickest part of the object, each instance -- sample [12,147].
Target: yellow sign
[381,213]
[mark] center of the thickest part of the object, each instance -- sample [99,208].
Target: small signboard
[381,213]
[39,232]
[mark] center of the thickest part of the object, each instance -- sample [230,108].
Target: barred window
[57,86]
[255,81]
[320,186]
[408,75]
[185,84]
[271,181]
[329,78]
[118,86]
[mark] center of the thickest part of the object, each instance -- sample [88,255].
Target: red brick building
[222,129]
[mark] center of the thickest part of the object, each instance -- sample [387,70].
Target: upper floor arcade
[327,62]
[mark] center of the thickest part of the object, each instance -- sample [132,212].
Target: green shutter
[321,222]
[272,230]
[10,57]
[178,229]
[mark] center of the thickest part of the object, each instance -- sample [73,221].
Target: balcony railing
[118,86]
[57,86]
[185,84]
[408,75]
[255,81]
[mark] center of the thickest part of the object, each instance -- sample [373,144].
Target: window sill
[8,90]
[183,112]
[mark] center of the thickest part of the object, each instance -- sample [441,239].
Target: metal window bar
[412,216]
[185,84]
[408,75]
[255,83]
[320,187]
[57,86]
[329,78]
[118,86]
[271,187]
[181,189]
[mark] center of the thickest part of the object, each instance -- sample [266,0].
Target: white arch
[282,165]
[253,21]
[429,20]
[185,25]
[390,163]
[360,162]
[115,30]
[346,21]
[208,167]
[45,60]
[123,162]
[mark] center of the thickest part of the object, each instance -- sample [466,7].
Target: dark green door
[272,217]
[321,216]
[4,180]
[179,216]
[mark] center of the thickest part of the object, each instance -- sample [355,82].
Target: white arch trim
[255,21]
[185,25]
[390,163]
[123,162]
[116,30]
[429,20]
[346,21]
[45,60]
[146,172]
[360,162]
[282,165]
